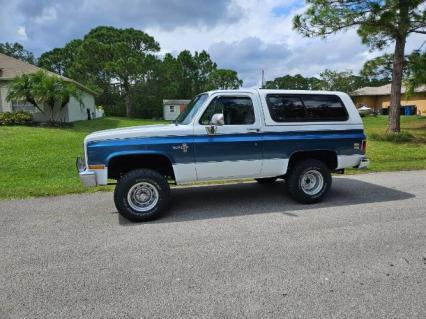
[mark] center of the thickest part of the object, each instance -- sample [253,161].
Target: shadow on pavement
[206,202]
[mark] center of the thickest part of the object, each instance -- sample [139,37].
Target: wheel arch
[123,162]
[329,157]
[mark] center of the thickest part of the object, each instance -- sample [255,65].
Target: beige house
[10,68]
[378,98]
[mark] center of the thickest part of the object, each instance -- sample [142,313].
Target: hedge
[17,118]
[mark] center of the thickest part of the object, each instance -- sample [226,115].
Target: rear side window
[306,108]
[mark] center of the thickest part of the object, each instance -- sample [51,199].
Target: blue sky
[246,35]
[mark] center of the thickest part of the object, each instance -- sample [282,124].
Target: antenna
[263,79]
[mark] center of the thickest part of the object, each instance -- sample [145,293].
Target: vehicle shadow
[215,201]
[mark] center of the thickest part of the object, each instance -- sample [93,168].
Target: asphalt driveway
[242,250]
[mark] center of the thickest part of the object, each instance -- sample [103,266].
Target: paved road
[231,251]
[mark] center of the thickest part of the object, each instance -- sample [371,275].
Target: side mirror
[217,119]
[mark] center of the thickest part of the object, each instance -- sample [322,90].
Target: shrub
[18,118]
[22,118]
[6,118]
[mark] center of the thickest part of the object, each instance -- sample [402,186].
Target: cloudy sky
[245,35]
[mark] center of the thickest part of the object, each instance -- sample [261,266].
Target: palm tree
[22,89]
[44,91]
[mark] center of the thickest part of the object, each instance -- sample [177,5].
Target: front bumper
[88,178]
[364,162]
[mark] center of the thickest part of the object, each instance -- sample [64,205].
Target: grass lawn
[395,156]
[38,161]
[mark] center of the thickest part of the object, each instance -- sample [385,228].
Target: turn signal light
[100,166]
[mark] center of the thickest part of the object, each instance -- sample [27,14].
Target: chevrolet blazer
[299,136]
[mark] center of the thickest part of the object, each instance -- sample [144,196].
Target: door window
[236,110]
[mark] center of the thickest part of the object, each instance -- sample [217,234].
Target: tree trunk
[398,66]
[395,100]
[127,99]
[128,103]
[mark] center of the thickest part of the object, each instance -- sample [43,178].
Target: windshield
[191,109]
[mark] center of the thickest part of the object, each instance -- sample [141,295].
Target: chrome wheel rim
[142,197]
[312,182]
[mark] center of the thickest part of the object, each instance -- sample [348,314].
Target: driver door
[234,149]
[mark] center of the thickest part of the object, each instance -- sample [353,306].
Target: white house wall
[77,112]
[5,106]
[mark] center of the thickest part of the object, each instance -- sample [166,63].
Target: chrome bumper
[363,163]
[88,178]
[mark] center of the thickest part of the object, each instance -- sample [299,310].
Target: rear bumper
[364,162]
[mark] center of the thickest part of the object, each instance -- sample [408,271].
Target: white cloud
[22,33]
[246,35]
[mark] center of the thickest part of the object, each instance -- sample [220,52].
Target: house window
[172,108]
[23,106]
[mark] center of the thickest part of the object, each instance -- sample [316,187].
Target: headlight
[80,163]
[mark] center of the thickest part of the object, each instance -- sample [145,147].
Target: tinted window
[285,108]
[324,108]
[236,110]
[305,108]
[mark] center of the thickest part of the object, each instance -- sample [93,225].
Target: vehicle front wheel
[309,181]
[142,195]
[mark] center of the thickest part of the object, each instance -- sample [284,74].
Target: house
[10,68]
[172,108]
[378,98]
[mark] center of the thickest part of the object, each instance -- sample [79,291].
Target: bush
[18,118]
[402,137]
[6,118]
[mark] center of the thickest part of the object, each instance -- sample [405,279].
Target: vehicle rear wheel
[309,181]
[142,195]
[266,180]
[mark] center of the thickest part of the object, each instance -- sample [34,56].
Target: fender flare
[129,153]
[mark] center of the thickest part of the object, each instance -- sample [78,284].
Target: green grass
[39,161]
[393,153]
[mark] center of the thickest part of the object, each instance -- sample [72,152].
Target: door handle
[257,130]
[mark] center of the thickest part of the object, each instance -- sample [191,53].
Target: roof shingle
[12,68]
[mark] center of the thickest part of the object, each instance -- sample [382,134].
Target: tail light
[364,146]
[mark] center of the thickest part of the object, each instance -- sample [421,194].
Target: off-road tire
[294,183]
[124,185]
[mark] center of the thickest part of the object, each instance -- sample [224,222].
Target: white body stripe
[187,173]
[274,167]
[184,173]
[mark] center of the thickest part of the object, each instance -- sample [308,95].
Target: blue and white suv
[301,136]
